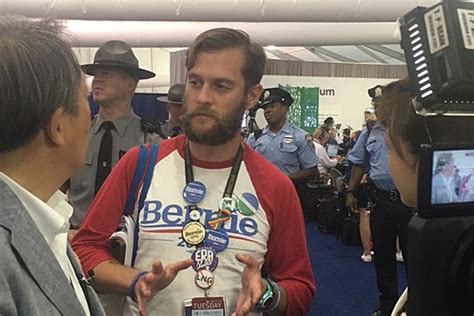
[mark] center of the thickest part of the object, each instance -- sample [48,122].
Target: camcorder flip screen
[446,181]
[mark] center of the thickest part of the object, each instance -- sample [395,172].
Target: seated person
[320,138]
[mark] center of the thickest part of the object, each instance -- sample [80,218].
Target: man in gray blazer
[443,187]
[44,131]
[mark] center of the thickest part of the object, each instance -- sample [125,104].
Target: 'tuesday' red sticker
[208,306]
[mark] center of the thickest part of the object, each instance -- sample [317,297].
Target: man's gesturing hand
[157,279]
[253,285]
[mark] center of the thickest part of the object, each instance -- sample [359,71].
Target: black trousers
[388,219]
[307,199]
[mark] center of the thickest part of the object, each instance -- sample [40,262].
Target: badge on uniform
[288,139]
[309,140]
[205,306]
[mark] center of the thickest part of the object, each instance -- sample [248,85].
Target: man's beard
[223,129]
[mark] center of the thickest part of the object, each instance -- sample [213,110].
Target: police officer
[389,217]
[172,127]
[116,128]
[286,146]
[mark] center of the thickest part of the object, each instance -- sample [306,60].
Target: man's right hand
[157,279]
[351,202]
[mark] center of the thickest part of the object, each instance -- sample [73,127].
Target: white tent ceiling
[361,31]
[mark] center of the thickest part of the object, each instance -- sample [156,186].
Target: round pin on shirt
[194,192]
[193,233]
[247,204]
[194,215]
[204,258]
[204,279]
[227,204]
[217,240]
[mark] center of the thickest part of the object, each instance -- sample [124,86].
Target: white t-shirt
[325,163]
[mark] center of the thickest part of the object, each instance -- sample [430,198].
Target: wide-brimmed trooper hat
[117,54]
[175,94]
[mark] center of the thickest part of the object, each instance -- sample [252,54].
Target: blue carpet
[345,285]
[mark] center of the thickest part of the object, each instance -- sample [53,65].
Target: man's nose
[206,94]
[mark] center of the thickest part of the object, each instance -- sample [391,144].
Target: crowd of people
[212,235]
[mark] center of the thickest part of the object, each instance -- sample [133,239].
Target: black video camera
[439,48]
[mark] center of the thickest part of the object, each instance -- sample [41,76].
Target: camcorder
[439,48]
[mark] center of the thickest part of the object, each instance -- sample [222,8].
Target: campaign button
[204,279]
[247,204]
[204,258]
[217,240]
[194,215]
[194,192]
[227,204]
[193,233]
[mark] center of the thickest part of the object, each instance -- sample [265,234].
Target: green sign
[304,111]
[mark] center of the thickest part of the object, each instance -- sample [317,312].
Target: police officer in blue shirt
[286,146]
[389,216]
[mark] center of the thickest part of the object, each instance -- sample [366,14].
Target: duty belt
[393,195]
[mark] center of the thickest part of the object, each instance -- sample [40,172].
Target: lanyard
[231,181]
[205,259]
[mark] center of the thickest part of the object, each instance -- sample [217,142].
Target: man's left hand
[253,285]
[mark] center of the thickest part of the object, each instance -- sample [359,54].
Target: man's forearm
[112,277]
[356,176]
[304,175]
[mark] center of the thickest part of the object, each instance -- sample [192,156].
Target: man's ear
[55,130]
[253,94]
[132,85]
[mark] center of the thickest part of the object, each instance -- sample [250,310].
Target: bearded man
[212,199]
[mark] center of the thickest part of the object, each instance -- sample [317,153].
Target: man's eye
[222,87]
[193,83]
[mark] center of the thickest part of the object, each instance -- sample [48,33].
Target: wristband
[131,287]
[269,299]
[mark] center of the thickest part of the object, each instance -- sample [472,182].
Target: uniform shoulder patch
[309,140]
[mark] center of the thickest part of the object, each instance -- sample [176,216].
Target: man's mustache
[201,111]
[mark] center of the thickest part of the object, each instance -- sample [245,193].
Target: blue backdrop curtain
[145,105]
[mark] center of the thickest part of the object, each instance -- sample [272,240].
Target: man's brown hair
[218,39]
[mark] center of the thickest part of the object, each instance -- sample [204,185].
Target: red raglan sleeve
[104,214]
[287,259]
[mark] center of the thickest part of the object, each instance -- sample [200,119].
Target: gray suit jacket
[31,280]
[440,192]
